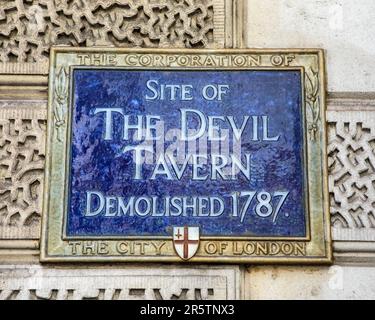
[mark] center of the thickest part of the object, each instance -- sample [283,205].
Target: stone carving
[60,100]
[351,161]
[107,294]
[22,153]
[29,28]
[312,99]
[38,283]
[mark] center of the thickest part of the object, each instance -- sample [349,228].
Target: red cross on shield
[186,241]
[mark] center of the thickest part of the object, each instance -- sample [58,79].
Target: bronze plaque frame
[315,248]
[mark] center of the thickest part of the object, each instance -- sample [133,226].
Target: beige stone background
[343,28]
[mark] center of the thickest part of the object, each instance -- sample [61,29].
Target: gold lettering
[142,246]
[263,248]
[83,58]
[300,249]
[97,59]
[255,60]
[103,248]
[145,60]
[122,247]
[74,245]
[279,60]
[158,61]
[222,247]
[88,247]
[210,247]
[286,249]
[195,61]
[236,249]
[131,59]
[112,59]
[249,248]
[158,247]
[274,248]
[209,61]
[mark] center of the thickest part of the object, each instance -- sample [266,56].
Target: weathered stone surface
[29,28]
[118,283]
[89,23]
[351,162]
[22,154]
[336,282]
[344,28]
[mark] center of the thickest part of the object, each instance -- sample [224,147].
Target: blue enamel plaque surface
[222,150]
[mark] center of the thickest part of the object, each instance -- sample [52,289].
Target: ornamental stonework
[22,154]
[29,28]
[351,162]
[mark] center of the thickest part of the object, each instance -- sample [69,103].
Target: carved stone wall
[351,161]
[100,283]
[28,28]
[22,153]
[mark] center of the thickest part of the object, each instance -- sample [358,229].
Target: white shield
[186,241]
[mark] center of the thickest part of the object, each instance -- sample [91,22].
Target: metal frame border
[318,248]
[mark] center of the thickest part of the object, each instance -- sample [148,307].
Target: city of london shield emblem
[186,241]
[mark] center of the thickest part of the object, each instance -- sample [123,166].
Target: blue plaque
[186,156]
[266,104]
